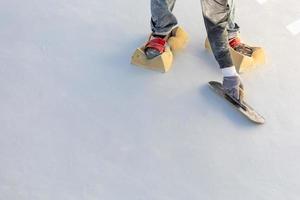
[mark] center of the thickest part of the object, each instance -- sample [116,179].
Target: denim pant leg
[162,19]
[216,14]
[232,28]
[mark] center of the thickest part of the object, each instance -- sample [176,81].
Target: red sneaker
[155,46]
[240,47]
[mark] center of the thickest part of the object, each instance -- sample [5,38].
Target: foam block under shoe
[178,39]
[243,62]
[162,63]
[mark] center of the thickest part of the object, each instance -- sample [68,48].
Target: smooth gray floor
[78,122]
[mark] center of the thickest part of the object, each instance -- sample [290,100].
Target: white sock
[229,71]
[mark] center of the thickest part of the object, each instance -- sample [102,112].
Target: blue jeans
[218,18]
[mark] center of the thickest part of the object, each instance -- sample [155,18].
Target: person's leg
[232,27]
[233,30]
[162,23]
[216,15]
[162,18]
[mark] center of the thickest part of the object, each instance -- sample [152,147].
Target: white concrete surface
[78,122]
[294,27]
